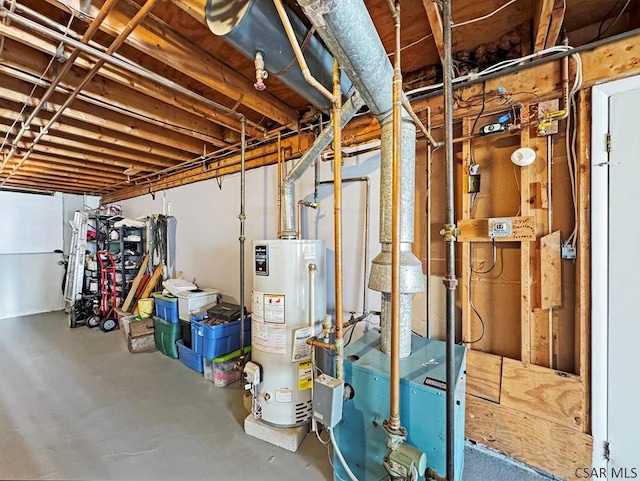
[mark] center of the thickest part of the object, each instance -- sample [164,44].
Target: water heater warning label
[268,338]
[304,375]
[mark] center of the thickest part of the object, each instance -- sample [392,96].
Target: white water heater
[288,285]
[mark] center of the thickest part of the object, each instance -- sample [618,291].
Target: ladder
[75,269]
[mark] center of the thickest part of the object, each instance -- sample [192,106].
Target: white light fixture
[523,156]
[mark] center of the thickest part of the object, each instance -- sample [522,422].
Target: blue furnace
[360,434]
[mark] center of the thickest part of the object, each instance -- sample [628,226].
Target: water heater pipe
[287,214]
[312,296]
[394,405]
[306,73]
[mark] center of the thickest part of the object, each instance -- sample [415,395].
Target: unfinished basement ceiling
[124,129]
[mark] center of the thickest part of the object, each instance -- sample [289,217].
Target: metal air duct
[254,27]
[358,48]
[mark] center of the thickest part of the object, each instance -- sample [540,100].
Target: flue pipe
[337,215]
[66,66]
[450,280]
[363,57]
[120,39]
[287,218]
[128,66]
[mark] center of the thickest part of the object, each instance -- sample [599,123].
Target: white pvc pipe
[340,457]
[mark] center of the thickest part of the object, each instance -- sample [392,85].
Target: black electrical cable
[469,290]
[471,259]
[600,31]
[484,104]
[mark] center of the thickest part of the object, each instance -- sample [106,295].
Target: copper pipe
[66,66]
[337,214]
[279,181]
[426,131]
[428,227]
[120,39]
[324,345]
[394,405]
[306,73]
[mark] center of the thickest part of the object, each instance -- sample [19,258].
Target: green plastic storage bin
[166,334]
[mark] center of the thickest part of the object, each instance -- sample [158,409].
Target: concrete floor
[74,404]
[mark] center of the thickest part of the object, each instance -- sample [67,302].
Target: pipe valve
[261,73]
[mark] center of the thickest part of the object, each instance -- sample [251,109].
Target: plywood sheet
[546,445]
[484,375]
[542,392]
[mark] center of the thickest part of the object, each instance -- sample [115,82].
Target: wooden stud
[551,268]
[583,260]
[526,174]
[468,317]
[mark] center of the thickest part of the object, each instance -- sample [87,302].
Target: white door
[624,285]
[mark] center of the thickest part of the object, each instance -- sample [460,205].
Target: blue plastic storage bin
[166,308]
[189,358]
[214,341]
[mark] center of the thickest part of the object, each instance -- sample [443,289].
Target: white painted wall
[207,247]
[31,283]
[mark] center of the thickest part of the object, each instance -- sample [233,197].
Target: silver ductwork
[254,27]
[287,201]
[358,48]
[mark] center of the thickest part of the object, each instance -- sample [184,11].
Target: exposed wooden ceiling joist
[158,40]
[435,21]
[548,22]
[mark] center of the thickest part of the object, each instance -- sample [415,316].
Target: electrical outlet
[500,227]
[568,251]
[473,183]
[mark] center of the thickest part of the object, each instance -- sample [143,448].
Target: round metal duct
[254,26]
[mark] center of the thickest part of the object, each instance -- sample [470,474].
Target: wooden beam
[161,42]
[48,166]
[17,91]
[126,143]
[546,445]
[137,83]
[541,23]
[113,96]
[555,26]
[36,178]
[58,171]
[59,144]
[52,186]
[469,318]
[258,157]
[435,21]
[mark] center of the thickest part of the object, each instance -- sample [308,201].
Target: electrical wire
[505,64]
[600,31]
[493,263]
[484,17]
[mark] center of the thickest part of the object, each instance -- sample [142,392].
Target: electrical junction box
[361,436]
[327,400]
[500,227]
